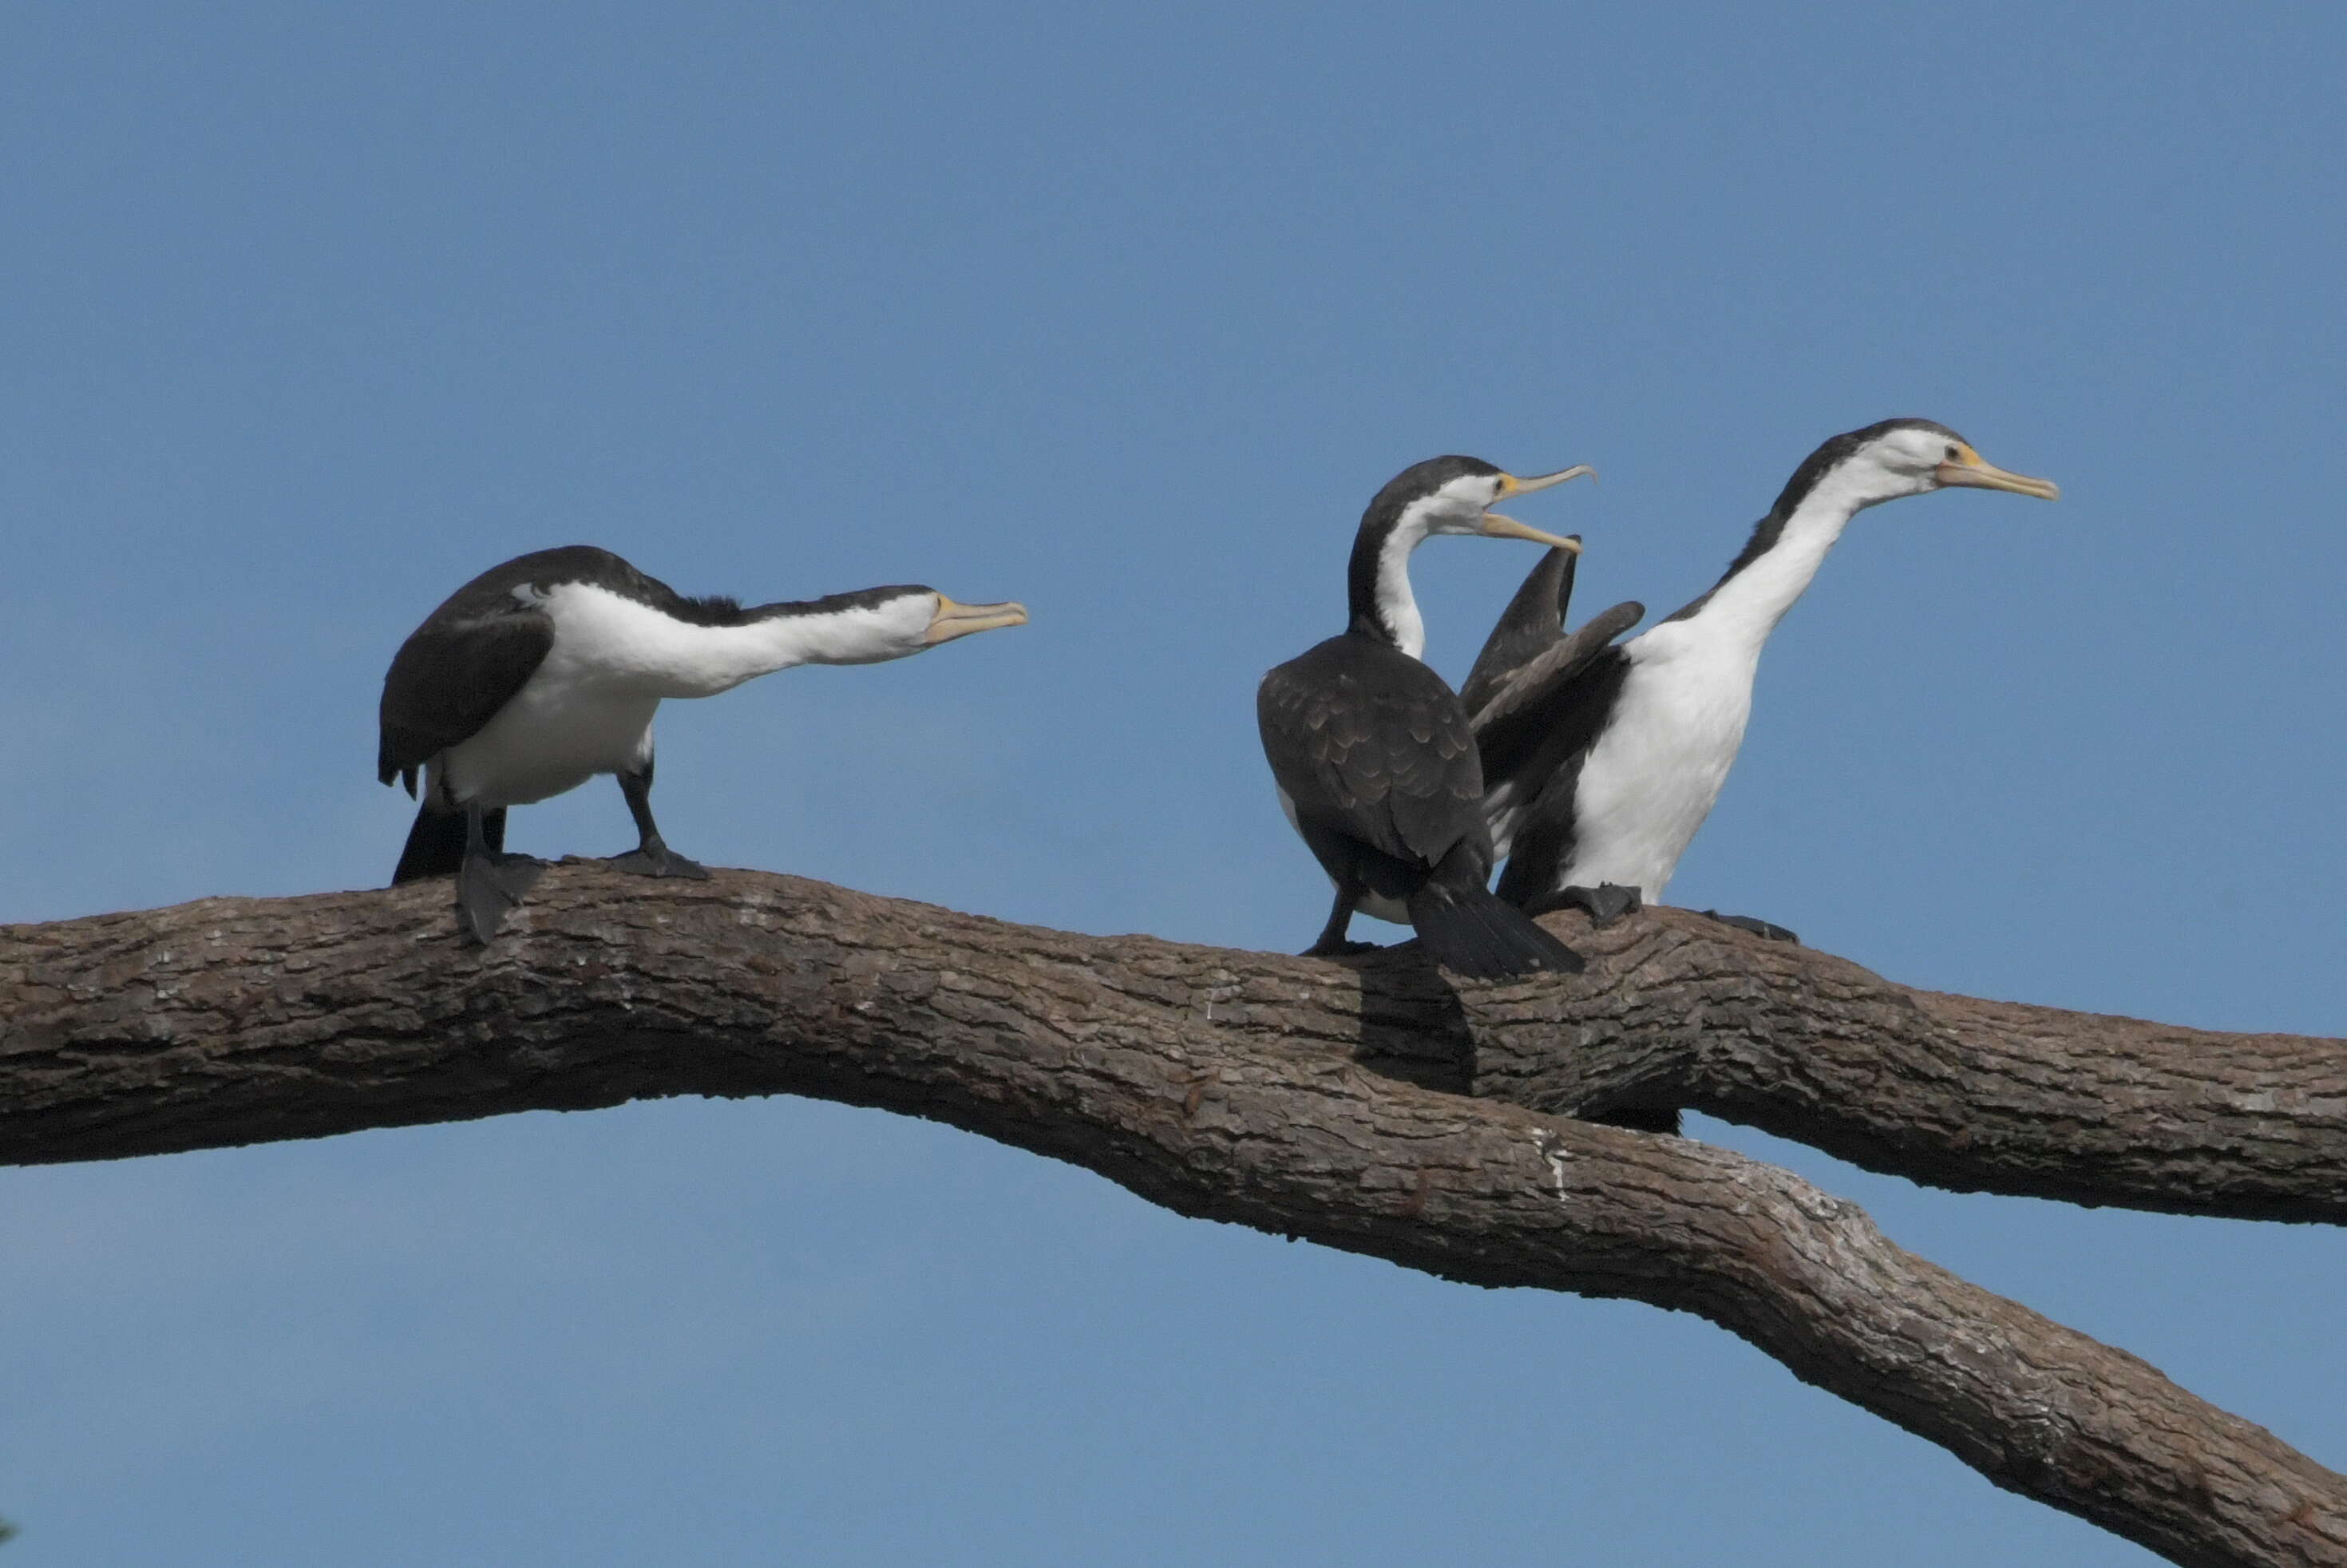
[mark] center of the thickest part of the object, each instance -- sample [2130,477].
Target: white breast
[559,731]
[1655,770]
[588,709]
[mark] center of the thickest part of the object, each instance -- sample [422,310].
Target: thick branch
[1949,1091]
[1222,1084]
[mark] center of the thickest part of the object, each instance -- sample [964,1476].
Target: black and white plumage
[1371,751]
[1601,760]
[546,671]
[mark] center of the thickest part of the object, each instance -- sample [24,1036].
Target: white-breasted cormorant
[546,671]
[1601,760]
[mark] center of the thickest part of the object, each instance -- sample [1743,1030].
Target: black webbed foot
[490,885]
[1337,950]
[1605,903]
[1757,927]
[657,860]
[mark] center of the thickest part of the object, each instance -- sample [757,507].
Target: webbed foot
[1605,903]
[657,860]
[1757,927]
[1339,949]
[487,886]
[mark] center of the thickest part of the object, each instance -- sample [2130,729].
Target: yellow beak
[953,620]
[1497,526]
[1510,484]
[1968,467]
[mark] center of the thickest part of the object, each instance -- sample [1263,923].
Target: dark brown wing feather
[1532,623]
[448,681]
[1545,684]
[1541,698]
[475,650]
[1370,743]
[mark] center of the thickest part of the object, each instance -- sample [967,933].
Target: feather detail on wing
[450,679]
[484,641]
[1544,688]
[1531,625]
[1369,742]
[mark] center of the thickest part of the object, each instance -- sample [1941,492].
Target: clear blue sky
[308,313]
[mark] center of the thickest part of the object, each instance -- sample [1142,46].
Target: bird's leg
[1605,903]
[1332,943]
[652,856]
[1758,928]
[489,882]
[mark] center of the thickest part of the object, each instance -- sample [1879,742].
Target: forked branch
[1270,1092]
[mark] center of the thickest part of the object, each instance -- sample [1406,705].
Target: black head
[1422,481]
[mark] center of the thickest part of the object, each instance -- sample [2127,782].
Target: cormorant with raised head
[1601,760]
[1371,751]
[546,671]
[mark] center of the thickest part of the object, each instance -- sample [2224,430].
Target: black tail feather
[1471,931]
[435,845]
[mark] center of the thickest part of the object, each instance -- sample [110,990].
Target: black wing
[1532,623]
[1371,743]
[1517,717]
[1534,730]
[1534,754]
[473,653]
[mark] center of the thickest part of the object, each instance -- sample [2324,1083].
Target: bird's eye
[1952,451]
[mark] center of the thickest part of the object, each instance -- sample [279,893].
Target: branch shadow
[1413,1025]
[1415,1028]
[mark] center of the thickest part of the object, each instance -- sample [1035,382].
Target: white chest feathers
[1651,779]
[587,708]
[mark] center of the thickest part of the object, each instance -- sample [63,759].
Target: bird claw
[661,861]
[1757,927]
[1337,950]
[1604,904]
[488,887]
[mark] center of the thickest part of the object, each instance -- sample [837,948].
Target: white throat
[587,708]
[1397,605]
[622,645]
[1667,749]
[1746,607]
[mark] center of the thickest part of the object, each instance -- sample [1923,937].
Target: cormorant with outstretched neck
[1601,760]
[1371,750]
[546,671]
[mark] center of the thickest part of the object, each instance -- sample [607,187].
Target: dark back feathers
[1372,744]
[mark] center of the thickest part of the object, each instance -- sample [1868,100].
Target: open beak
[1969,468]
[1512,486]
[953,620]
[1497,526]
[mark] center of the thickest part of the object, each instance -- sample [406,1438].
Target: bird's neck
[787,634]
[671,658]
[1378,585]
[1778,564]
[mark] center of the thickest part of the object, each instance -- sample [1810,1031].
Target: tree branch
[1232,1086]
[1948,1090]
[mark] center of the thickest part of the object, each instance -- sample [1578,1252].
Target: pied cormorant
[1601,760]
[1371,750]
[546,671]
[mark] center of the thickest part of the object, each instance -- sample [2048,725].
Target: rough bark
[1309,1098]
[1949,1091]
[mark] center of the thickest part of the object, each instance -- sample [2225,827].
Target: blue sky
[310,314]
